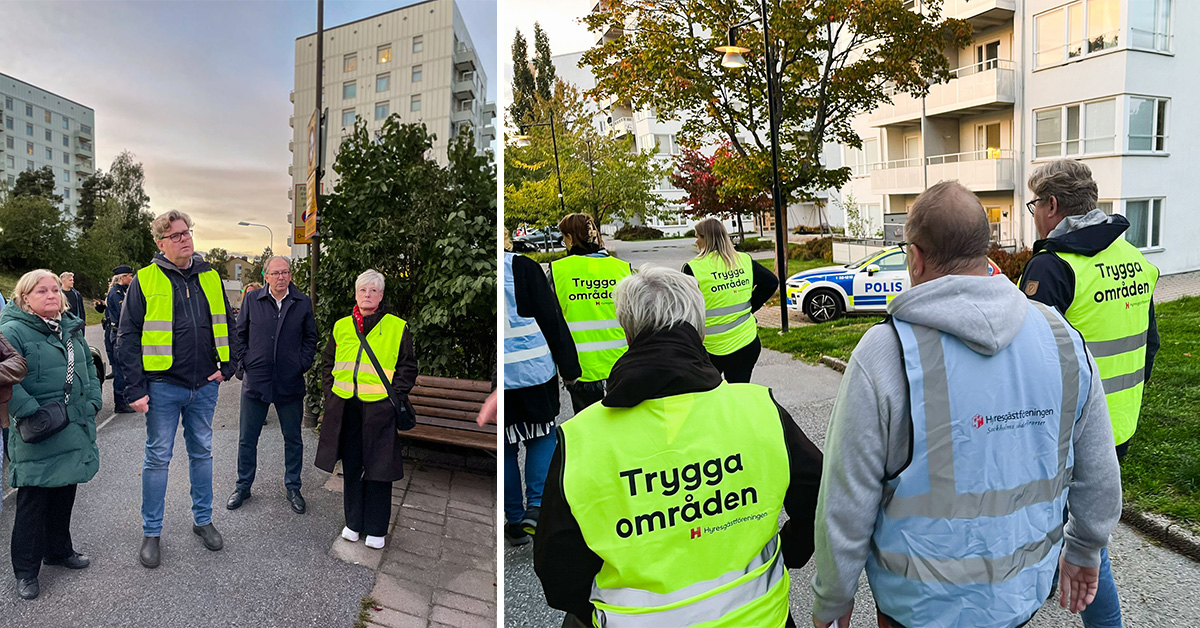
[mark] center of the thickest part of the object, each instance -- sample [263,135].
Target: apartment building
[1096,80]
[41,128]
[417,61]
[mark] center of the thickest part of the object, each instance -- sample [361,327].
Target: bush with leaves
[34,235]
[818,248]
[1011,264]
[630,233]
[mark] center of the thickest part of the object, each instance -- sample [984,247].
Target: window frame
[418,44]
[353,118]
[418,73]
[28,110]
[387,112]
[379,54]
[1120,42]
[1157,136]
[1153,223]
[29,148]
[414,103]
[1162,28]
[352,86]
[350,62]
[386,77]
[1082,138]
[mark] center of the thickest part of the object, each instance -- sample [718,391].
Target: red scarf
[358,319]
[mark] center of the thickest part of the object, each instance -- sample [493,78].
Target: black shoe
[296,500]
[124,409]
[28,588]
[529,523]
[149,554]
[74,561]
[515,534]
[236,499]
[212,538]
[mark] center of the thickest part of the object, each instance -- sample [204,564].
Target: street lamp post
[523,140]
[733,59]
[255,224]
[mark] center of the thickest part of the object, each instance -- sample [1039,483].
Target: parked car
[537,240]
[826,293]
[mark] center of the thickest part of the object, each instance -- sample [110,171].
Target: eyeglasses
[904,247]
[178,237]
[279,273]
[1032,205]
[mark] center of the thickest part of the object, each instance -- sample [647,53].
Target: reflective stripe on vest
[527,359]
[584,287]
[729,324]
[353,372]
[157,327]
[1111,308]
[970,531]
[652,480]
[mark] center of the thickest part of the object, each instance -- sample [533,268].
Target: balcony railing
[622,126]
[1075,49]
[464,58]
[971,9]
[986,170]
[465,86]
[986,85]
[83,149]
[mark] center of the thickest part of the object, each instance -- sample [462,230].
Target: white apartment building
[1103,81]
[417,61]
[41,128]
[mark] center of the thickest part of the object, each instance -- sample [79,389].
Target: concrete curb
[833,363]
[1164,531]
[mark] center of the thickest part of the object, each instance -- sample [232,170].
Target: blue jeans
[1105,610]
[167,404]
[538,452]
[254,413]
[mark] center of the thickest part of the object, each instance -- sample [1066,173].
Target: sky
[560,20]
[196,90]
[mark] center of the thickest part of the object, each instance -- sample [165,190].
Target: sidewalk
[1172,287]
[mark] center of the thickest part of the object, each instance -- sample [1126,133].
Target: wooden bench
[446,410]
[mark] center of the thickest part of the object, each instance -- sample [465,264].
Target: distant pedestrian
[74,299]
[12,371]
[111,307]
[963,427]
[61,395]
[360,423]
[277,335]
[175,348]
[734,287]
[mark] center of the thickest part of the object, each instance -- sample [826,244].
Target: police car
[867,285]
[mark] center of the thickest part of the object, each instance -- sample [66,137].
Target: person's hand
[842,622]
[570,382]
[141,405]
[1076,585]
[487,414]
[218,376]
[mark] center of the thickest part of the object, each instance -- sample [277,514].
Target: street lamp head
[522,140]
[243,224]
[733,52]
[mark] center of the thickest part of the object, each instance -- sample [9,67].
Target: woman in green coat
[46,473]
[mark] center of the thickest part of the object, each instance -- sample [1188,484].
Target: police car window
[895,261]
[863,260]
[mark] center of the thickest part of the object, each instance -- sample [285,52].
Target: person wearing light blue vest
[962,428]
[536,337]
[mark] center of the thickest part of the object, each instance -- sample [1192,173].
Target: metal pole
[592,174]
[557,173]
[314,249]
[776,188]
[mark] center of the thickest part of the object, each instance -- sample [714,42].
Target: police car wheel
[823,306]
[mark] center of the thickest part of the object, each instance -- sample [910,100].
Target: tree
[128,189]
[707,194]
[96,188]
[38,182]
[834,60]
[256,271]
[218,258]
[104,245]
[602,175]
[543,66]
[523,86]
[34,234]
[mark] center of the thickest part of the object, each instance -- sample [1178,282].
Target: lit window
[416,73]
[415,103]
[350,63]
[1085,129]
[384,53]
[28,148]
[48,117]
[348,117]
[1147,124]
[381,110]
[383,83]
[1080,28]
[1144,216]
[28,111]
[1150,24]
[418,43]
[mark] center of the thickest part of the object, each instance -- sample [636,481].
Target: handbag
[50,418]
[406,416]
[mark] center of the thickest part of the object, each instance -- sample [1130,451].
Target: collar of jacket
[71,324]
[198,265]
[292,292]
[588,248]
[1088,240]
[370,321]
[661,364]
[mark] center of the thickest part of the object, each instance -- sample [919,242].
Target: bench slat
[474,440]
[447,393]
[446,414]
[455,384]
[453,424]
[452,404]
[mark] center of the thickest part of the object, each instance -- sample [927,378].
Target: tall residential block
[417,61]
[41,128]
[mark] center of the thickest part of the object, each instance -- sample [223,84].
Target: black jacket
[657,365]
[1056,280]
[765,284]
[538,405]
[271,374]
[75,300]
[193,351]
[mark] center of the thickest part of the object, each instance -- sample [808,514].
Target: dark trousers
[110,347]
[254,414]
[584,394]
[367,503]
[737,366]
[42,528]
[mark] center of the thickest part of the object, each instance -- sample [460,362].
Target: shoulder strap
[375,362]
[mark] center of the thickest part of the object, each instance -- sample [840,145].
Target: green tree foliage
[95,190]
[524,86]
[104,246]
[835,59]
[219,259]
[255,271]
[602,175]
[128,189]
[35,234]
[543,66]
[37,183]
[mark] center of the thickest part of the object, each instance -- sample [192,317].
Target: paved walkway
[1173,287]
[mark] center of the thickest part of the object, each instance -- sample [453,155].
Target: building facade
[41,128]
[417,61]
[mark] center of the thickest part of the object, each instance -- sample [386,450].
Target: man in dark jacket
[175,349]
[111,308]
[277,333]
[74,299]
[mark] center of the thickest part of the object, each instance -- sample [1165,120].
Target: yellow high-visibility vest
[157,334]
[353,373]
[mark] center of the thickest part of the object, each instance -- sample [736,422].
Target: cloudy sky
[197,90]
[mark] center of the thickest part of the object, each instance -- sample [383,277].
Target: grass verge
[367,605]
[808,343]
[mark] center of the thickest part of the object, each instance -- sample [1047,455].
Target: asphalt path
[275,569]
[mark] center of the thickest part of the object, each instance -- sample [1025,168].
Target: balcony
[292,96]
[462,115]
[291,193]
[83,130]
[488,113]
[489,133]
[84,149]
[990,170]
[902,176]
[84,168]
[290,167]
[977,88]
[291,146]
[464,87]
[981,13]
[622,126]
[464,58]
[292,121]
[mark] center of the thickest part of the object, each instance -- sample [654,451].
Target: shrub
[818,248]
[631,233]
[690,233]
[1011,264]
[543,257]
[755,244]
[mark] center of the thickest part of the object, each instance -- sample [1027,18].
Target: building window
[1057,131]
[11,181]
[28,129]
[49,154]
[418,43]
[381,110]
[66,193]
[383,82]
[66,158]
[28,148]
[1147,124]
[12,163]
[28,111]
[350,63]
[349,90]
[8,122]
[1075,30]
[48,120]
[66,176]
[66,141]
[66,124]
[8,103]
[8,141]
[29,165]
[49,137]
[416,73]
[348,117]
[666,145]
[1144,217]
[1150,24]
[384,53]
[85,129]
[415,103]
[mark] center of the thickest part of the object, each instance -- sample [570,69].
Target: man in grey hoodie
[951,494]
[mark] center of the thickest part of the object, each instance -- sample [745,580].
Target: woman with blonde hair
[53,446]
[734,287]
[583,283]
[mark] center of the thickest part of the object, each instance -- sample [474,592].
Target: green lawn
[798,265]
[809,342]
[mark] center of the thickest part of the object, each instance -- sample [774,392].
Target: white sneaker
[375,542]
[349,535]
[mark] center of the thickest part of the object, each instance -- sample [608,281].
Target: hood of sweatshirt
[984,312]
[661,364]
[1085,235]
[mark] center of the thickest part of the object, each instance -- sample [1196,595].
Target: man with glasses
[277,339]
[174,347]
